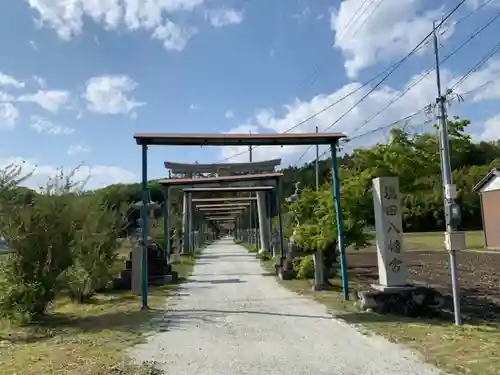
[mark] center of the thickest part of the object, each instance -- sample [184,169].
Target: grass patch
[435,241]
[85,339]
[471,350]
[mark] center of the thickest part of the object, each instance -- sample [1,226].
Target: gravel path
[230,319]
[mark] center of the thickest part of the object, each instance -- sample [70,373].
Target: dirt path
[230,319]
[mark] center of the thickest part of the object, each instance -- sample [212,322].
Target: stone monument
[393,294]
[392,268]
[176,243]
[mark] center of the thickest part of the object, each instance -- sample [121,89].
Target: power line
[374,9]
[421,78]
[394,67]
[398,64]
[481,86]
[339,36]
[479,64]
[472,12]
[389,71]
[319,112]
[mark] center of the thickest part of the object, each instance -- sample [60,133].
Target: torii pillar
[264,228]
[186,208]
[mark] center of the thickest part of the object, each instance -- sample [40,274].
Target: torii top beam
[223,200]
[245,180]
[224,168]
[282,139]
[247,189]
[222,206]
[221,209]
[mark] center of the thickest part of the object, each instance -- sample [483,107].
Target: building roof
[281,139]
[220,179]
[491,174]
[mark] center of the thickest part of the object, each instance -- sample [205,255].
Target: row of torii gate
[224,211]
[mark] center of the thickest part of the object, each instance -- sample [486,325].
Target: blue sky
[79,77]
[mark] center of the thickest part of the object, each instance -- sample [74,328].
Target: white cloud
[67,17]
[40,81]
[34,45]
[8,115]
[193,107]
[383,36]
[50,100]
[109,95]
[492,128]
[172,36]
[474,4]
[224,17]
[97,176]
[268,120]
[422,94]
[6,80]
[44,126]
[487,79]
[77,149]
[5,97]
[229,114]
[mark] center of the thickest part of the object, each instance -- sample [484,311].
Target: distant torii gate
[283,139]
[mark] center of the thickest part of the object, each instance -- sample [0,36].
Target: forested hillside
[414,158]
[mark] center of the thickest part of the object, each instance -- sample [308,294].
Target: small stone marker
[392,269]
[137,268]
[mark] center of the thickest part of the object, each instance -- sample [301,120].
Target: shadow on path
[217,281]
[213,312]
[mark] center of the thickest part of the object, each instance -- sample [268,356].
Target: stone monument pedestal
[393,294]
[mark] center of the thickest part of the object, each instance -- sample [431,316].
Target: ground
[231,319]
[83,339]
[470,349]
[478,275]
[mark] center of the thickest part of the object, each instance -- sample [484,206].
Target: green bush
[265,256]
[305,269]
[94,250]
[60,239]
[41,234]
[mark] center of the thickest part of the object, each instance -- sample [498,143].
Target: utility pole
[317,163]
[451,209]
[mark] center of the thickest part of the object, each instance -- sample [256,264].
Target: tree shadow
[217,281]
[225,255]
[221,313]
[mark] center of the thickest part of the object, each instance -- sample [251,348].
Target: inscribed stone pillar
[185,224]
[136,269]
[393,271]
[263,222]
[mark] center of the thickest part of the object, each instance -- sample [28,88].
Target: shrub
[305,269]
[266,256]
[94,249]
[40,233]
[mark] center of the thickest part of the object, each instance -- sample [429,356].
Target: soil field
[479,278]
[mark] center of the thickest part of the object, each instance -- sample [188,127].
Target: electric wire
[400,62]
[478,65]
[389,71]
